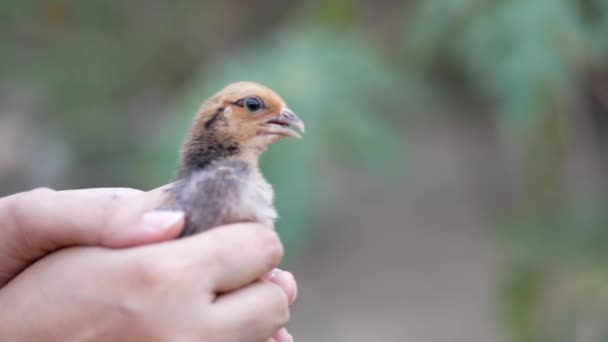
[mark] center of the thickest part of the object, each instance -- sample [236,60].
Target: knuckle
[215,249]
[21,208]
[123,193]
[220,244]
[149,273]
[258,241]
[271,244]
[23,201]
[214,255]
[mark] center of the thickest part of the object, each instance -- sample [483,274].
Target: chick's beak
[280,124]
[292,119]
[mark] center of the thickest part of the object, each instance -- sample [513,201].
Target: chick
[219,180]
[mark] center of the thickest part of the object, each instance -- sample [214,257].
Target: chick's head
[247,114]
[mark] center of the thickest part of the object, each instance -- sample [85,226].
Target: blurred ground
[388,266]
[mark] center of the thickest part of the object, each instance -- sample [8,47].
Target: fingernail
[161,219]
[271,274]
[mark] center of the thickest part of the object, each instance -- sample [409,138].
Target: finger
[228,257]
[282,336]
[36,222]
[102,217]
[253,313]
[286,281]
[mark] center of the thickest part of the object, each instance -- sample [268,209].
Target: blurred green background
[453,180]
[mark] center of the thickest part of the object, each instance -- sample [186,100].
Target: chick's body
[226,191]
[219,180]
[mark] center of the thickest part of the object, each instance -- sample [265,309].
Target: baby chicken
[219,179]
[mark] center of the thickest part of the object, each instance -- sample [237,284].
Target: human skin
[215,286]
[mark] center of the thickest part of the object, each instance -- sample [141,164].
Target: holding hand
[37,222]
[203,288]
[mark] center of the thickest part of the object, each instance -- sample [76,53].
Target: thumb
[40,221]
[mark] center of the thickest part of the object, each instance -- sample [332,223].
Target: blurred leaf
[557,303]
[522,295]
[516,52]
[578,234]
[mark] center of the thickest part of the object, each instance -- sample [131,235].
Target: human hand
[123,207]
[203,288]
[38,222]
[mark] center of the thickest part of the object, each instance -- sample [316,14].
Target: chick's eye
[252,104]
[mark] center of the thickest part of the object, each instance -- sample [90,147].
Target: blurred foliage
[559,282]
[524,55]
[529,58]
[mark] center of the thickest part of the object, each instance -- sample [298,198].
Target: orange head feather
[242,119]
